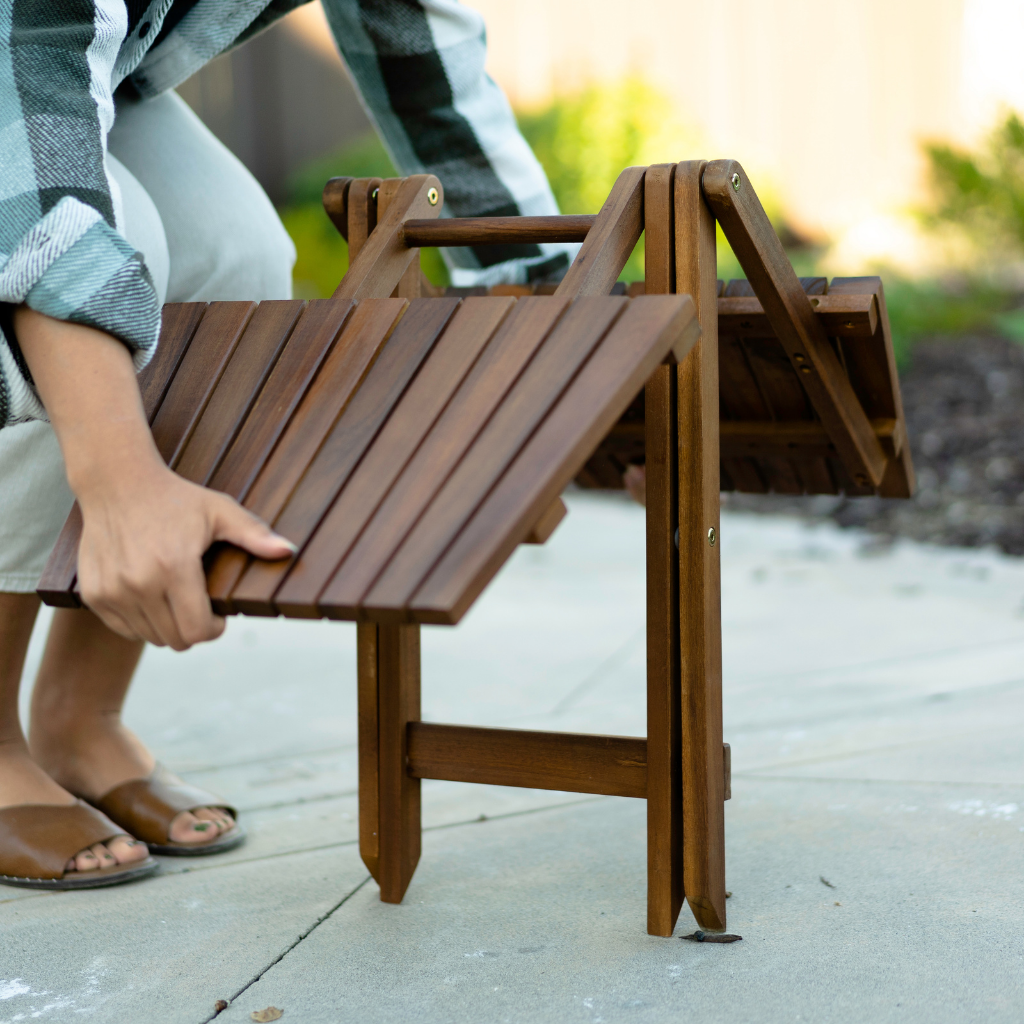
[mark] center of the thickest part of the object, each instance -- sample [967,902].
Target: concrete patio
[875,839]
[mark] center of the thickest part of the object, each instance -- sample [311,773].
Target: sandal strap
[146,807]
[37,840]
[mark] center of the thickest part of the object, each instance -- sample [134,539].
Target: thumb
[236,525]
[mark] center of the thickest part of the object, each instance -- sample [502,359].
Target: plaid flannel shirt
[418,65]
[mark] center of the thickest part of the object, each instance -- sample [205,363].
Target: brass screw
[711,536]
[735,179]
[805,369]
[849,324]
[432,196]
[799,357]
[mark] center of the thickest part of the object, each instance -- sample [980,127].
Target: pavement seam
[874,782]
[304,935]
[353,842]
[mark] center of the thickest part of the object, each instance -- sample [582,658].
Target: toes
[127,850]
[218,815]
[86,861]
[187,828]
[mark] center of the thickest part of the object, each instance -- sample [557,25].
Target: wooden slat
[384,257]
[239,387]
[801,439]
[625,359]
[179,323]
[700,613]
[342,441]
[761,255]
[198,374]
[339,373]
[367,647]
[664,754]
[559,359]
[398,690]
[496,230]
[611,765]
[313,338]
[542,530]
[610,241]
[352,514]
[840,315]
[872,370]
[522,332]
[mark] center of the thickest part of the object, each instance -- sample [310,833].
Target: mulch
[964,401]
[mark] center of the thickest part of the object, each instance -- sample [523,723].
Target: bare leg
[22,781]
[76,733]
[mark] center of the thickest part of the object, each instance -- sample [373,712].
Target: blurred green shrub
[982,193]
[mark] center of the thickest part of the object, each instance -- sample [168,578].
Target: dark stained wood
[625,359]
[757,247]
[610,241]
[496,230]
[340,374]
[367,646]
[664,754]
[384,257]
[842,316]
[611,765]
[398,691]
[178,326]
[409,284]
[299,507]
[700,613]
[523,328]
[244,376]
[312,339]
[872,369]
[558,360]
[547,524]
[801,439]
[198,374]
[335,200]
[352,514]
[361,207]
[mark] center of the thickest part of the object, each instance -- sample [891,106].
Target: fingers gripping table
[408,444]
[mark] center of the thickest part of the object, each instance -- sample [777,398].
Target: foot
[93,755]
[22,781]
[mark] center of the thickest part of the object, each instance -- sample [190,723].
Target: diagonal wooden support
[757,247]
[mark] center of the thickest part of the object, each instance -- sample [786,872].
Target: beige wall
[830,99]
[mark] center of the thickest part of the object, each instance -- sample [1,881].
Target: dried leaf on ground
[270,1013]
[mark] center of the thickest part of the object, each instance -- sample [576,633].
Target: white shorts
[207,231]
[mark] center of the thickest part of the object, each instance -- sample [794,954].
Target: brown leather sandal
[146,808]
[37,841]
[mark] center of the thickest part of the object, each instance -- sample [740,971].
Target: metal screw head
[735,179]
[712,537]
[432,196]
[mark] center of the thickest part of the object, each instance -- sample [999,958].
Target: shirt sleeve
[419,68]
[60,251]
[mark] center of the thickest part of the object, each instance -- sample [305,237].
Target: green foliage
[982,193]
[928,308]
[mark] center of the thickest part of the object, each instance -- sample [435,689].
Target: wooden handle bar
[495,230]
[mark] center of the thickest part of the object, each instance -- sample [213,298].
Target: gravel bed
[964,400]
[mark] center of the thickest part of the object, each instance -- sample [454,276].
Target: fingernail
[293,548]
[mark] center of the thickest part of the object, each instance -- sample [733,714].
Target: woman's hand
[145,529]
